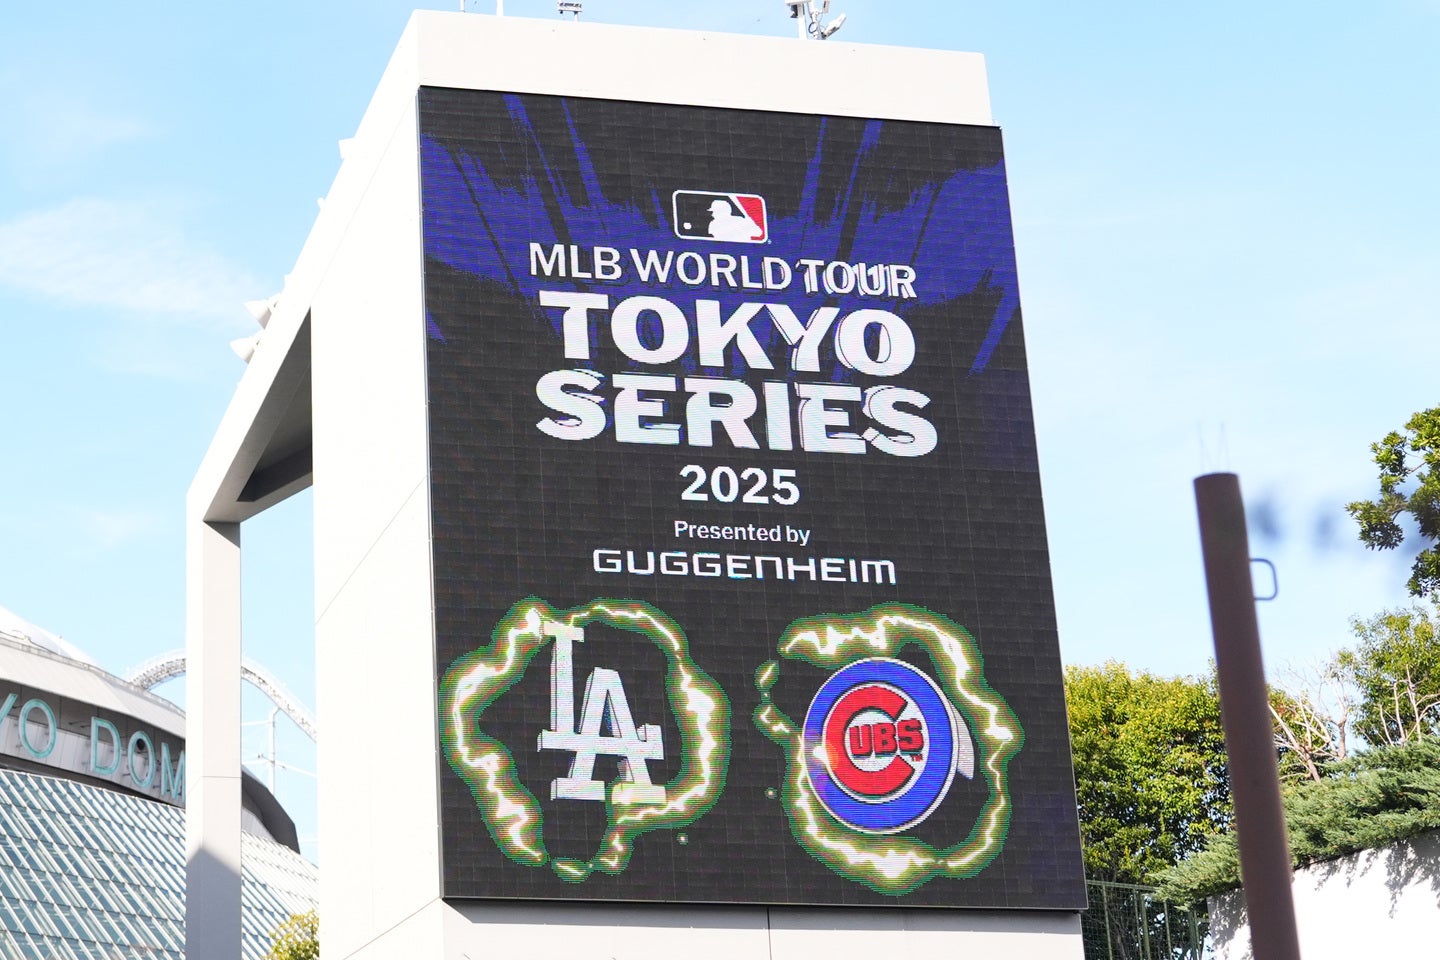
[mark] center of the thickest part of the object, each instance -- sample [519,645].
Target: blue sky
[1224,218]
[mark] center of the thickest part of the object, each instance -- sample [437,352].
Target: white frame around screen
[357,344]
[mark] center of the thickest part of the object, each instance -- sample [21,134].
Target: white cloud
[99,530]
[111,529]
[59,128]
[47,125]
[129,256]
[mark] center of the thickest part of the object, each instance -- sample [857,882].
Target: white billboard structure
[478,361]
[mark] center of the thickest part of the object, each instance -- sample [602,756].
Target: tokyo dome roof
[15,628]
[43,660]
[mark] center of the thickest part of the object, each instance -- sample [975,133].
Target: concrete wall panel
[1377,903]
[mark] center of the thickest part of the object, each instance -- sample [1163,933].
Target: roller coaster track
[171,665]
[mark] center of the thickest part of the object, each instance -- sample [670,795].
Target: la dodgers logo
[882,746]
[605,704]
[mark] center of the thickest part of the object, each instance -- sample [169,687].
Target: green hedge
[1369,801]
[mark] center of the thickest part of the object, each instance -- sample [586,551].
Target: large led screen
[741,583]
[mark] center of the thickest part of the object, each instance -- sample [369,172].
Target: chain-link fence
[1127,922]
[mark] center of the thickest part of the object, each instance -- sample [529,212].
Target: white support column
[212,774]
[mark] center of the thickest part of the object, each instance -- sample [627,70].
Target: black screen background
[517,514]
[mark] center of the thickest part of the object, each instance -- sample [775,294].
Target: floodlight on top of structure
[262,310]
[244,347]
[571,7]
[809,15]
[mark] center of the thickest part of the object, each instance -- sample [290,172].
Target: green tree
[296,938]
[1409,464]
[1311,718]
[1371,800]
[1150,772]
[1396,672]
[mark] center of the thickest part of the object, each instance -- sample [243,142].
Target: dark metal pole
[1245,708]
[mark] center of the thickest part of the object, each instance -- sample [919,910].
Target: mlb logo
[731,217]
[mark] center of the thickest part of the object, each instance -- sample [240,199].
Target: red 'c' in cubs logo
[872,742]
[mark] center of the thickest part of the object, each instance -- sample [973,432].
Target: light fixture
[809,14]
[261,310]
[245,347]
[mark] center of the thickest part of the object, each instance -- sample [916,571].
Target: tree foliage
[1373,799]
[1409,465]
[1150,768]
[1386,689]
[1311,718]
[1396,673]
[296,938]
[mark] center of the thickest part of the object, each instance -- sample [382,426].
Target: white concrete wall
[373,628]
[639,932]
[1377,903]
[674,66]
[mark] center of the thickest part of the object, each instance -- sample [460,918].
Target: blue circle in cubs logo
[880,745]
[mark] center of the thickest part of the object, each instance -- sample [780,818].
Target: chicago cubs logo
[882,746]
[878,749]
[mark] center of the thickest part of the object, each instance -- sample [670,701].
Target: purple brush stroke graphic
[956,234]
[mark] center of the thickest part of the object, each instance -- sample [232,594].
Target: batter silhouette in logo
[882,742]
[729,217]
[726,224]
[633,805]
